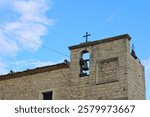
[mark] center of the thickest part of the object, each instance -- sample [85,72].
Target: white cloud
[110,18]
[3,69]
[21,65]
[2,2]
[23,23]
[31,63]
[33,10]
[7,45]
[29,25]
[146,63]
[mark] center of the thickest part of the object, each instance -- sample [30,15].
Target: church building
[98,70]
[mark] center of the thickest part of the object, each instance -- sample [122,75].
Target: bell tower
[105,69]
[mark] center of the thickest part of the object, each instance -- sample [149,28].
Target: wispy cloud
[7,46]
[3,69]
[21,65]
[28,21]
[110,18]
[3,2]
[23,23]
[31,63]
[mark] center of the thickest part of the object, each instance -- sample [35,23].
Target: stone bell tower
[98,70]
[105,69]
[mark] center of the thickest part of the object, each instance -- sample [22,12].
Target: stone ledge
[100,41]
[107,81]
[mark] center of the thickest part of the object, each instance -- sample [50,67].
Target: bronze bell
[85,65]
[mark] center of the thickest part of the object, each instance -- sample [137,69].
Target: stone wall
[112,55]
[32,86]
[136,80]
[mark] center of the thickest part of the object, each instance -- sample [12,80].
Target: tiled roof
[34,71]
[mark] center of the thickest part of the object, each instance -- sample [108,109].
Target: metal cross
[86,36]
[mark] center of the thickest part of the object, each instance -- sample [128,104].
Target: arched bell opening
[84,63]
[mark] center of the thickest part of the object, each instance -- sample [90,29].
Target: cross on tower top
[86,36]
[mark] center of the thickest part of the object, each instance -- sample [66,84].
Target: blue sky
[57,24]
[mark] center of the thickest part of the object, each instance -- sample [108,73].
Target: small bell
[85,65]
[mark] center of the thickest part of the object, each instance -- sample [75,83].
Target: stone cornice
[100,41]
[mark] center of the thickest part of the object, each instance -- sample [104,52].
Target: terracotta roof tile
[34,71]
